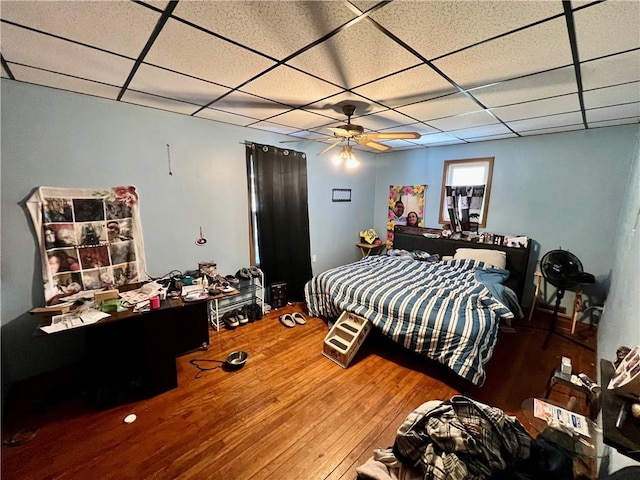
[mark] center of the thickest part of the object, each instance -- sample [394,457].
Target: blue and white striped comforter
[436,309]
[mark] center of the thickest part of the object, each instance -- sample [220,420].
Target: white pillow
[496,258]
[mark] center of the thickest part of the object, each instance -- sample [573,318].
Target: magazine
[566,419]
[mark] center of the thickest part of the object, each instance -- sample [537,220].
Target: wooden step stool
[345,338]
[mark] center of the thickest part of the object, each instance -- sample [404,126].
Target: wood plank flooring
[290,413]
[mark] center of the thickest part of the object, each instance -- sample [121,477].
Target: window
[467,172]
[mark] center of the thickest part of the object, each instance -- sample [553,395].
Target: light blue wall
[562,190]
[620,323]
[56,138]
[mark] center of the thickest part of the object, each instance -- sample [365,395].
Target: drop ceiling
[453,71]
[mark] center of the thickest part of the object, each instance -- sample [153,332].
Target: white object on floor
[130,418]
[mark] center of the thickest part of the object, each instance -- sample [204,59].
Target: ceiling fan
[350,131]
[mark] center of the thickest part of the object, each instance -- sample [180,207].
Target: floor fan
[563,270]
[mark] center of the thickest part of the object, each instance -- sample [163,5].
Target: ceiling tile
[437,138]
[542,47]
[495,129]
[120,27]
[225,117]
[612,123]
[37,50]
[169,84]
[160,103]
[349,66]
[440,107]
[300,119]
[533,87]
[553,121]
[385,119]
[606,28]
[204,56]
[398,144]
[545,131]
[420,24]
[249,105]
[291,87]
[333,106]
[265,26]
[410,86]
[630,110]
[64,82]
[538,108]
[466,120]
[420,128]
[611,70]
[601,97]
[491,137]
[274,127]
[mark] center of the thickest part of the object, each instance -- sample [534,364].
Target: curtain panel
[282,216]
[464,206]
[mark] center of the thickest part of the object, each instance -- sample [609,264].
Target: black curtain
[282,216]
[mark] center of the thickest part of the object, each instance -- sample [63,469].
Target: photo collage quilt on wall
[89,238]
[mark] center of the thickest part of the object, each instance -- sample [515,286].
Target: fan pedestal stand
[554,317]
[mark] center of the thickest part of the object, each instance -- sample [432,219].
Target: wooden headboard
[517,258]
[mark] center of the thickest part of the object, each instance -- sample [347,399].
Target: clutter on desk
[145,292]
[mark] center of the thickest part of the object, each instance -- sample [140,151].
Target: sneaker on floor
[230,319]
[242,318]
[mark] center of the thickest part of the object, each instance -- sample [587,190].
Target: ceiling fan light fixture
[347,157]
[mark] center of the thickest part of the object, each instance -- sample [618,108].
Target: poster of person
[406,207]
[88,239]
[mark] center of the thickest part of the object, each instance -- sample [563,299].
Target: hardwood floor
[290,413]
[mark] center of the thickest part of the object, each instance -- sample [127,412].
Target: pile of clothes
[462,439]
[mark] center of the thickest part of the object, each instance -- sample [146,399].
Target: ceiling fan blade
[394,135]
[341,132]
[365,142]
[331,146]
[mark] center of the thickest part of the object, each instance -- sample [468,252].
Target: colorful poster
[89,238]
[406,207]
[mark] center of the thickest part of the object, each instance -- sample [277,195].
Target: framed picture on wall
[406,208]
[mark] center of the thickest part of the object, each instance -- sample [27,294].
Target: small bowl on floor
[237,359]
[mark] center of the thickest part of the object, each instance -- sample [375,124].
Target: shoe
[299,318]
[243,274]
[242,318]
[257,311]
[287,320]
[230,319]
[255,271]
[232,280]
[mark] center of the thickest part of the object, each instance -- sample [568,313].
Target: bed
[449,311]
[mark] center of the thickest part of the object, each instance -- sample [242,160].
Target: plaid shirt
[460,439]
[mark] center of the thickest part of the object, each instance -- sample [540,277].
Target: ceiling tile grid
[452,71]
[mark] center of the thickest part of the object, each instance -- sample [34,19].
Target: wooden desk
[134,354]
[367,249]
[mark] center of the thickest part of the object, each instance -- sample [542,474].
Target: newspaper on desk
[565,419]
[145,292]
[78,318]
